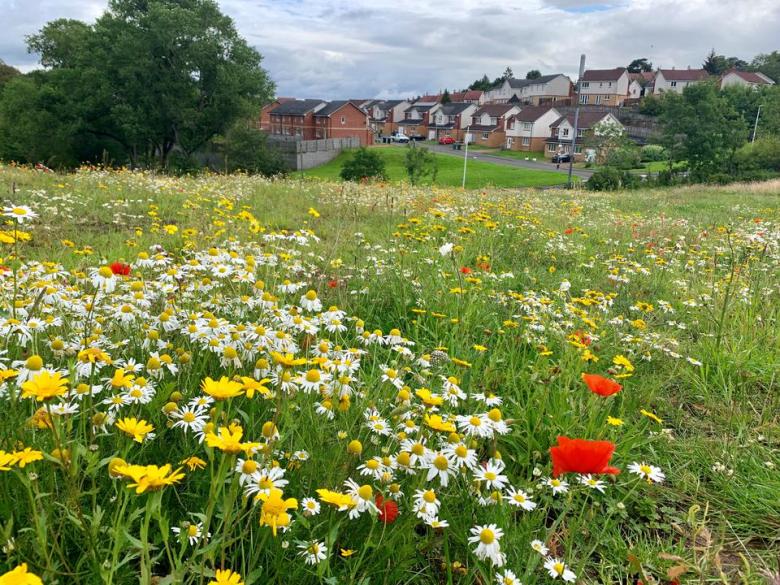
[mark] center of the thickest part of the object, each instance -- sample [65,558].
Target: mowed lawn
[478,175]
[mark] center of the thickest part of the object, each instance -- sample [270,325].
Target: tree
[508,74]
[716,64]
[768,64]
[365,164]
[151,75]
[701,127]
[420,163]
[607,137]
[445,97]
[483,83]
[7,73]
[639,65]
[246,149]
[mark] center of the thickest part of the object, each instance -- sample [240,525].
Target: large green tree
[151,75]
[639,65]
[768,64]
[701,127]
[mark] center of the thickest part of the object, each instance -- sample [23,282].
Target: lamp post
[755,126]
[465,157]
[576,120]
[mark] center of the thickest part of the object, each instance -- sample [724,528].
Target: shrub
[612,179]
[246,149]
[624,158]
[653,152]
[364,165]
[763,154]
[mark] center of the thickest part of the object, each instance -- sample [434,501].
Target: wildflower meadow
[233,380]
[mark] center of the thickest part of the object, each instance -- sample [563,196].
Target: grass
[479,174]
[672,293]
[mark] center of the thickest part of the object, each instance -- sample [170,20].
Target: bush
[246,149]
[763,154]
[364,165]
[653,152]
[624,158]
[612,179]
[650,105]
[420,163]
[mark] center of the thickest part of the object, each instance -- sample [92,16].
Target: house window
[526,141]
[579,133]
[527,125]
[577,149]
[485,135]
[673,83]
[598,100]
[583,99]
[565,132]
[343,120]
[585,84]
[551,147]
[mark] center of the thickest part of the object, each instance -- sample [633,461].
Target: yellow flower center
[487,536]
[365,492]
[440,462]
[429,496]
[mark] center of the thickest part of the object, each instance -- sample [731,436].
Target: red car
[446,140]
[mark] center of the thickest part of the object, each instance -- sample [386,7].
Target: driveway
[510,162]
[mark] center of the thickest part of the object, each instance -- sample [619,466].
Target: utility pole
[755,126]
[576,119]
[465,157]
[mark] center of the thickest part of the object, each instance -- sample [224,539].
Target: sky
[334,49]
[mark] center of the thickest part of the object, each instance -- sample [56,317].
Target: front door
[431,134]
[508,142]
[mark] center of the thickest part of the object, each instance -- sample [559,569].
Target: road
[509,162]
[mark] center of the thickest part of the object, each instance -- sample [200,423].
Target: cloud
[397,48]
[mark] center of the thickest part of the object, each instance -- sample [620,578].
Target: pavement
[509,162]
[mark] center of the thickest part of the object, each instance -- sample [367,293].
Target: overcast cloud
[395,48]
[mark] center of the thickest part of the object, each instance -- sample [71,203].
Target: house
[547,88]
[295,118]
[562,132]
[415,120]
[677,80]
[640,84]
[342,119]
[529,129]
[450,119]
[604,87]
[428,100]
[264,121]
[488,124]
[384,115]
[745,79]
[471,96]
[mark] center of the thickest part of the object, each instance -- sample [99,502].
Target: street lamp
[576,120]
[465,157]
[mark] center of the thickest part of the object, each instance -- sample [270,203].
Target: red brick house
[488,124]
[265,113]
[295,118]
[342,119]
[471,96]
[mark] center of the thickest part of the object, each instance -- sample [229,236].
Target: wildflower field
[225,379]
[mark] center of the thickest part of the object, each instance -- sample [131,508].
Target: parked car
[561,158]
[402,138]
[446,140]
[417,138]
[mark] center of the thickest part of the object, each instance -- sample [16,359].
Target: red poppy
[120,268]
[601,385]
[388,509]
[582,456]
[484,266]
[333,283]
[568,231]
[465,270]
[582,337]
